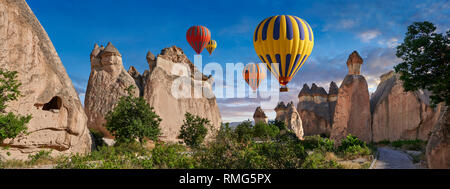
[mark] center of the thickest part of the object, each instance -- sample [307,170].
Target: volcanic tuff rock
[172,91]
[438,147]
[315,107]
[107,83]
[400,115]
[260,116]
[352,112]
[291,117]
[59,121]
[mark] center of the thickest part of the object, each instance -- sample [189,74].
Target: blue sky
[373,28]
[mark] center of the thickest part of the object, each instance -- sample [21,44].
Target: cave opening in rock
[54,104]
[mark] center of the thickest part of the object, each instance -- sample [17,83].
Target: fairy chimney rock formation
[174,87]
[108,82]
[289,115]
[58,121]
[314,109]
[352,111]
[400,115]
[260,116]
[354,63]
[280,110]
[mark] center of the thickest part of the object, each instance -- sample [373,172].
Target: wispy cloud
[367,36]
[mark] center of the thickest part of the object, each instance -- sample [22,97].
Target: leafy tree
[244,131]
[280,124]
[265,131]
[425,65]
[132,119]
[194,130]
[10,125]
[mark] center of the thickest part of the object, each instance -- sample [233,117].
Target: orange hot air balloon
[253,75]
[198,37]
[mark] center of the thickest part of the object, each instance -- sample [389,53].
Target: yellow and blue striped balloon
[211,46]
[286,40]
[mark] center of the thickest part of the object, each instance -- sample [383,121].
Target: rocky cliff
[172,90]
[438,147]
[168,86]
[352,112]
[316,107]
[59,121]
[400,115]
[107,83]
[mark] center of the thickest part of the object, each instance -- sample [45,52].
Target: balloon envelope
[284,43]
[212,45]
[253,75]
[198,37]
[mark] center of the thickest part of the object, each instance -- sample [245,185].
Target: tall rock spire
[354,63]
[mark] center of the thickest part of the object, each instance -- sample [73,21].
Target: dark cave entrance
[54,104]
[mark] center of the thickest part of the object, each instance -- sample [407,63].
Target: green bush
[11,125]
[280,124]
[352,147]
[417,145]
[265,131]
[97,137]
[41,155]
[132,119]
[244,131]
[351,141]
[172,156]
[194,130]
[317,142]
[317,160]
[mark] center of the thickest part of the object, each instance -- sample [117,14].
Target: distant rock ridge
[109,80]
[58,121]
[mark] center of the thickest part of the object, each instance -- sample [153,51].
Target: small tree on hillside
[133,119]
[244,131]
[425,65]
[10,125]
[194,130]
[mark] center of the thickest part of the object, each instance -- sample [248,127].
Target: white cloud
[391,43]
[368,35]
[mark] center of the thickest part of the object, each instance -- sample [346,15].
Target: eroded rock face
[173,91]
[260,116]
[352,112]
[108,82]
[59,121]
[316,107]
[438,147]
[291,117]
[400,115]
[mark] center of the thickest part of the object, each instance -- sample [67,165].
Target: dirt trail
[393,159]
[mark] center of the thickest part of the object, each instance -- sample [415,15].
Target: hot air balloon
[253,75]
[212,45]
[198,37]
[284,43]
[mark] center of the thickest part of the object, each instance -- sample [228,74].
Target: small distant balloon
[284,43]
[253,75]
[212,45]
[198,37]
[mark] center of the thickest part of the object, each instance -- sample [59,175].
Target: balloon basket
[284,89]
